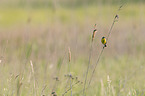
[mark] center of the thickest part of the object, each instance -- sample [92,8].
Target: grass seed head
[94,32]
[69,54]
[116,17]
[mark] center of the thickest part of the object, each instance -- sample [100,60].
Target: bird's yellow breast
[103,40]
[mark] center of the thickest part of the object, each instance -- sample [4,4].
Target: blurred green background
[42,31]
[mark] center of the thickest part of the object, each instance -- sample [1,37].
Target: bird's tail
[105,45]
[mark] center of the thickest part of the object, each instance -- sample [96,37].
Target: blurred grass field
[13,15]
[43,35]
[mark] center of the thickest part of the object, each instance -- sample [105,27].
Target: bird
[104,42]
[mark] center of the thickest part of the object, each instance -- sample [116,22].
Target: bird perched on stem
[104,42]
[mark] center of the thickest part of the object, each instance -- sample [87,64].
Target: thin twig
[87,69]
[70,88]
[69,74]
[91,48]
[69,54]
[95,68]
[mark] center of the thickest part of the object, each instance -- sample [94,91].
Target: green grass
[13,16]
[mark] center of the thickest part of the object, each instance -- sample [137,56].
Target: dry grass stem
[32,69]
[69,53]
[91,48]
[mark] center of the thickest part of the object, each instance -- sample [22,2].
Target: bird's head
[103,37]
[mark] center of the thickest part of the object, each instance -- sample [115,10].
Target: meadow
[34,50]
